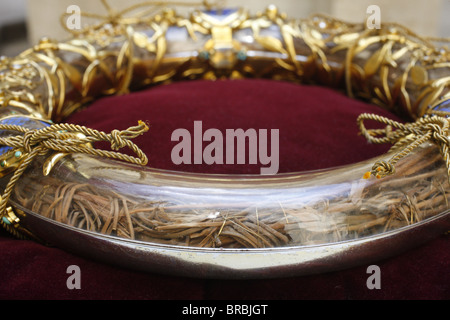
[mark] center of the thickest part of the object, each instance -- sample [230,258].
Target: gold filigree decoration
[391,67]
[114,22]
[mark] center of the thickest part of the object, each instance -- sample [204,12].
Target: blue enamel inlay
[220,14]
[24,122]
[6,221]
[4,149]
[444,106]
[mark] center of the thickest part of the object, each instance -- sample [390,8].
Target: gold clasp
[222,51]
[10,218]
[10,161]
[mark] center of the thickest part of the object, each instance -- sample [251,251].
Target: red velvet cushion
[317,129]
[317,126]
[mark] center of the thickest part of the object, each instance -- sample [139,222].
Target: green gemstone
[204,55]
[242,55]
[6,221]
[3,163]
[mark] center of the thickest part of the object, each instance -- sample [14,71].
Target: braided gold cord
[66,138]
[405,139]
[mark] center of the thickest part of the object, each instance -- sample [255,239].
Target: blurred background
[24,22]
